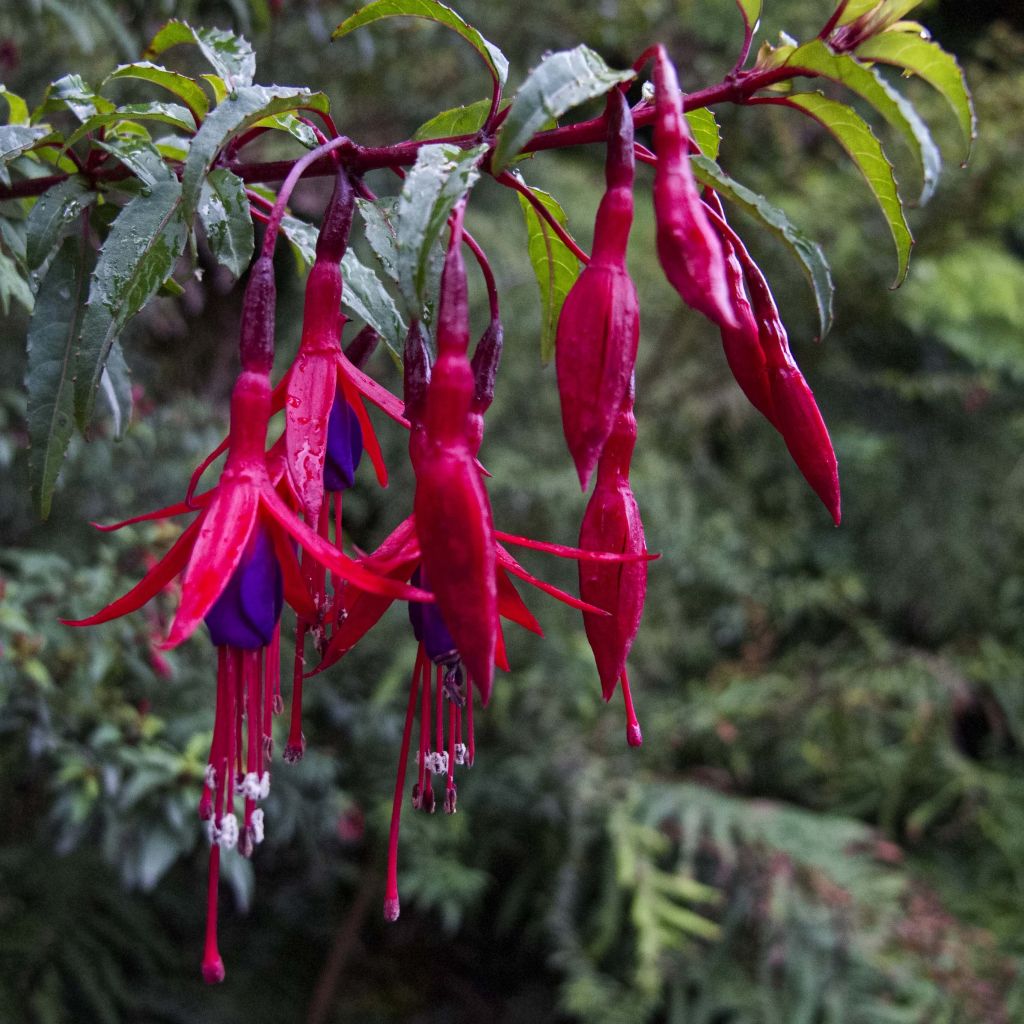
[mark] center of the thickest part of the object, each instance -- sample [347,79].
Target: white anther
[264,786]
[212,832]
[228,838]
[437,762]
[461,753]
[256,825]
[210,777]
[249,787]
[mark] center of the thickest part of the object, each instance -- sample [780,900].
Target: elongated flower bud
[452,511]
[688,247]
[362,346]
[599,326]
[256,340]
[796,414]
[415,372]
[332,241]
[612,523]
[485,369]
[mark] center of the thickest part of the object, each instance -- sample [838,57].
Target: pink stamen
[634,737]
[449,795]
[471,740]
[296,745]
[391,904]
[439,732]
[213,966]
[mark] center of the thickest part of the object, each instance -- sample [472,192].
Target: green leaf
[16,138]
[141,157]
[239,111]
[52,335]
[173,114]
[139,254]
[72,93]
[751,11]
[224,211]
[53,211]
[13,287]
[188,91]
[441,176]
[554,265]
[496,61]
[869,85]
[853,134]
[458,121]
[230,56]
[116,388]
[17,109]
[560,82]
[302,238]
[808,253]
[705,131]
[293,126]
[887,11]
[378,218]
[930,62]
[367,297]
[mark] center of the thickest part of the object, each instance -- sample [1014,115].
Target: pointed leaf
[17,109]
[229,55]
[457,121]
[140,252]
[554,264]
[496,61]
[173,114]
[705,131]
[224,211]
[142,158]
[13,287]
[869,85]
[807,252]
[53,211]
[928,61]
[560,82]
[888,11]
[751,11]
[72,93]
[239,111]
[367,297]
[188,91]
[302,238]
[853,134]
[116,388]
[441,176]
[16,138]
[302,133]
[52,335]
[378,218]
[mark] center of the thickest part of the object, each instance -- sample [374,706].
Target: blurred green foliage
[826,822]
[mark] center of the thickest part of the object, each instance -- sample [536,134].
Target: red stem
[523,189]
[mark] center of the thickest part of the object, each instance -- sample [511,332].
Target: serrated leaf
[705,131]
[441,176]
[230,56]
[188,91]
[52,335]
[224,211]
[16,138]
[378,221]
[141,157]
[116,389]
[852,132]
[870,86]
[808,253]
[927,60]
[554,265]
[367,297]
[53,211]
[217,86]
[496,61]
[72,93]
[17,109]
[560,82]
[751,11]
[139,254]
[457,121]
[173,114]
[291,124]
[13,287]
[239,111]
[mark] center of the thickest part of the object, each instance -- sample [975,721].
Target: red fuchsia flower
[771,378]
[238,557]
[688,247]
[612,523]
[451,508]
[599,326]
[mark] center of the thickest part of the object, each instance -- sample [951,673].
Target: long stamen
[335,578]
[471,749]
[391,904]
[449,792]
[439,730]
[213,966]
[426,786]
[633,735]
[296,745]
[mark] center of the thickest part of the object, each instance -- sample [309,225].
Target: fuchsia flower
[612,523]
[599,326]
[688,248]
[451,508]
